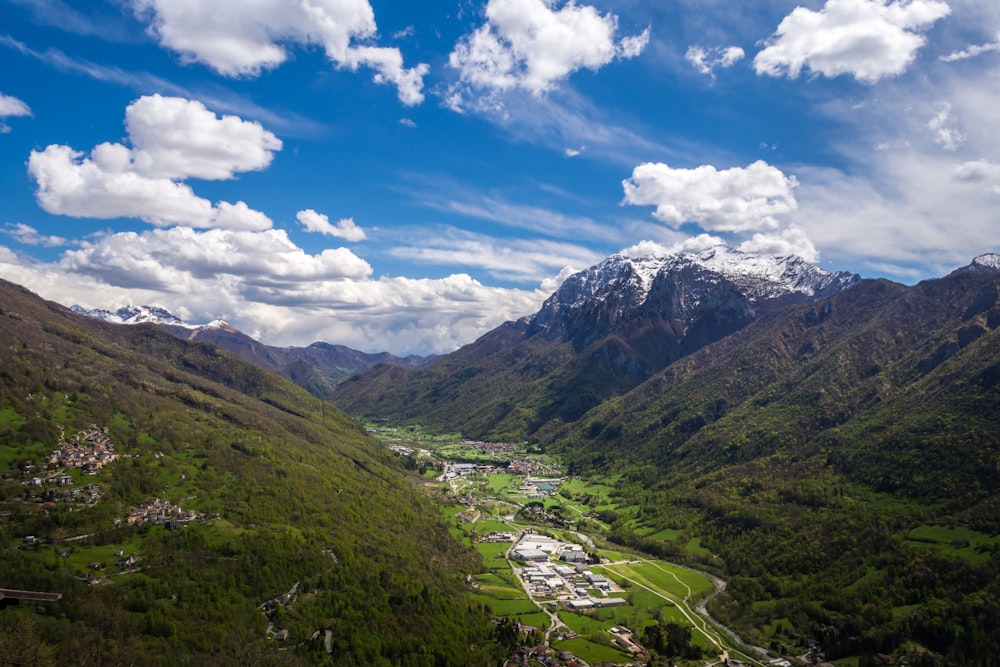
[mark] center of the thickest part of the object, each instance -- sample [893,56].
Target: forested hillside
[296,532]
[840,462]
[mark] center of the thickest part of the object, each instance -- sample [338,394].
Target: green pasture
[591,651]
[956,541]
[663,535]
[694,548]
[501,482]
[506,606]
[538,619]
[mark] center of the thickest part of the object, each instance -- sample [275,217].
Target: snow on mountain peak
[990,260]
[134,315]
[757,276]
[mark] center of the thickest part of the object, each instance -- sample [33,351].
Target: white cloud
[868,39]
[28,235]
[913,215]
[519,260]
[172,139]
[169,258]
[317,222]
[789,241]
[11,106]
[981,172]
[692,244]
[943,131]
[706,60]
[973,51]
[243,39]
[732,200]
[263,284]
[528,44]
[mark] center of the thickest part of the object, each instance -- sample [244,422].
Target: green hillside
[840,463]
[503,386]
[284,495]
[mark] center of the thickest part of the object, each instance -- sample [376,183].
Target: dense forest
[302,544]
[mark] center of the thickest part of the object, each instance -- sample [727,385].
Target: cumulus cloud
[168,258]
[320,224]
[243,39]
[531,45]
[789,241]
[731,200]
[706,60]
[973,51]
[692,244]
[172,139]
[867,39]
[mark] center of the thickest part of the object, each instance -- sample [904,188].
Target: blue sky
[406,176]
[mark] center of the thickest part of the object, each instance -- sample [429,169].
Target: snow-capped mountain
[719,289]
[134,315]
[985,263]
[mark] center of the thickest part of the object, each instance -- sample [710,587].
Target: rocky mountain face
[709,294]
[318,367]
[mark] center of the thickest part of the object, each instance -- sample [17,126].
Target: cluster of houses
[161,513]
[89,450]
[538,487]
[489,447]
[532,466]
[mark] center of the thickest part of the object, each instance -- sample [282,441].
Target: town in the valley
[581,604]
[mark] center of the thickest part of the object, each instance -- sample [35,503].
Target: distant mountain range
[605,330]
[318,367]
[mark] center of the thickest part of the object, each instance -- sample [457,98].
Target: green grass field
[955,541]
[591,651]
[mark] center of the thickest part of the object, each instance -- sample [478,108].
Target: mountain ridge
[318,367]
[604,330]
